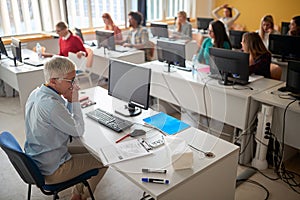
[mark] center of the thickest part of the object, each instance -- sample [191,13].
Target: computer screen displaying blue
[159,29]
[203,23]
[232,65]
[171,52]
[105,38]
[130,83]
[236,38]
[285,46]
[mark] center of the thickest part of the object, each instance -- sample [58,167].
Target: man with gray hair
[52,116]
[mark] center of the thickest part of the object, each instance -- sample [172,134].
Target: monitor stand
[169,68]
[128,110]
[225,80]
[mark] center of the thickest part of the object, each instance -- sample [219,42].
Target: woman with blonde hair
[266,28]
[110,25]
[260,57]
[183,27]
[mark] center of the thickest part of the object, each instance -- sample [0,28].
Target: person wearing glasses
[68,42]
[53,117]
[138,37]
[217,38]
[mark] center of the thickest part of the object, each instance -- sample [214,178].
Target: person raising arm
[228,18]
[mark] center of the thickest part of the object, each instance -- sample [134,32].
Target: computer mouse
[137,132]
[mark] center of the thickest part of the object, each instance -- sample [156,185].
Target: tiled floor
[114,186]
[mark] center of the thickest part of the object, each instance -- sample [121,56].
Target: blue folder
[166,123]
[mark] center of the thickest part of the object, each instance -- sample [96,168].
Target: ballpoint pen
[156,180]
[161,171]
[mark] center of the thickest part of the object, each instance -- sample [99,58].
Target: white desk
[292,126]
[23,78]
[227,104]
[101,60]
[202,180]
[224,103]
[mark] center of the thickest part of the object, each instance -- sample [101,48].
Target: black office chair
[31,174]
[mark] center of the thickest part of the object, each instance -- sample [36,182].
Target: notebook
[166,123]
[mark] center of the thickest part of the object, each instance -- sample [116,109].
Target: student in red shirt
[68,42]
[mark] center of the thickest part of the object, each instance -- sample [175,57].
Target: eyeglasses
[72,81]
[210,31]
[59,30]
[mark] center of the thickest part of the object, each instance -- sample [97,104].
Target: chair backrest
[23,163]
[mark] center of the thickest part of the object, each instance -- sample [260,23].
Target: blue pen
[155,180]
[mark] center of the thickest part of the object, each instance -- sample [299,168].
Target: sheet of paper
[122,151]
[79,62]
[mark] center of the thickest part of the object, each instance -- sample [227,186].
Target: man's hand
[80,54]
[72,93]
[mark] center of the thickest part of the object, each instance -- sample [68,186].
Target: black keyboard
[183,68]
[111,121]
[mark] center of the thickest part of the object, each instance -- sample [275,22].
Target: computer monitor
[130,83]
[2,48]
[171,52]
[236,38]
[203,23]
[232,65]
[159,29]
[105,38]
[285,27]
[285,47]
[79,33]
[16,49]
[293,78]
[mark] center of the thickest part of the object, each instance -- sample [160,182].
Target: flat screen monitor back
[79,34]
[293,77]
[236,38]
[2,48]
[203,23]
[159,30]
[171,52]
[130,83]
[285,46]
[105,38]
[231,64]
[16,45]
[285,28]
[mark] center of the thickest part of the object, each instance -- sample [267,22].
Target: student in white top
[183,27]
[228,19]
[266,28]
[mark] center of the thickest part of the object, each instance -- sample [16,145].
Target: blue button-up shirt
[49,123]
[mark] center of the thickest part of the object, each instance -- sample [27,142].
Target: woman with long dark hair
[217,38]
[260,57]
